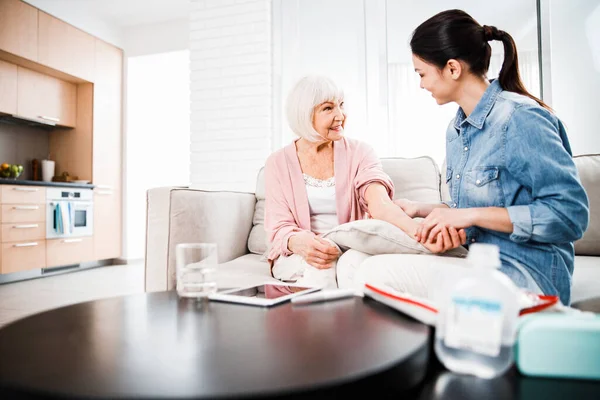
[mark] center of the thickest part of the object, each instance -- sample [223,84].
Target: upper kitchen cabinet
[65,48]
[19,29]
[43,97]
[8,88]
[107,116]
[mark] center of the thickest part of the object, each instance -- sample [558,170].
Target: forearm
[492,218]
[393,214]
[424,209]
[381,207]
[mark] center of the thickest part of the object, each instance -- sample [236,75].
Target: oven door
[69,219]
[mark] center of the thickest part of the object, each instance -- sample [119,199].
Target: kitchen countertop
[42,183]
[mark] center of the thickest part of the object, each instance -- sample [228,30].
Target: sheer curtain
[368,54]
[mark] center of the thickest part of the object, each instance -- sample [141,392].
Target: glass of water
[196,264]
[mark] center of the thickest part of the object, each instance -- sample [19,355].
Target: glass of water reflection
[196,264]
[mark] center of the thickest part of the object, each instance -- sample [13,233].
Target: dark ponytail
[454,34]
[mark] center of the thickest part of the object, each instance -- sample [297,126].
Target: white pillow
[373,236]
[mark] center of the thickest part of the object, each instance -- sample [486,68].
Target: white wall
[575,70]
[230,50]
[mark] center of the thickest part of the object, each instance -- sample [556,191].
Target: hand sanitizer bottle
[477,321]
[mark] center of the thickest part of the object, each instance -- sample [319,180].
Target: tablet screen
[269,291]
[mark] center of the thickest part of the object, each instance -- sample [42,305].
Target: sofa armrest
[182,215]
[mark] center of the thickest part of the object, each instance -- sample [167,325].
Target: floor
[20,299]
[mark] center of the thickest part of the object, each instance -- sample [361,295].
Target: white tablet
[265,295]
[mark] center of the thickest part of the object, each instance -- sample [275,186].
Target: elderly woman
[321,180]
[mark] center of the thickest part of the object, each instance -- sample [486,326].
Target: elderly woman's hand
[316,251]
[411,208]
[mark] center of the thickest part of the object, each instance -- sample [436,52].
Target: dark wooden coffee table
[157,345]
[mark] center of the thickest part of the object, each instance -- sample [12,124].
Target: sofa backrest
[414,178]
[588,167]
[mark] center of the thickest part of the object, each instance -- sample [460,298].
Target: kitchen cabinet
[63,47]
[23,256]
[107,223]
[19,29]
[69,251]
[107,150]
[23,223]
[8,88]
[43,97]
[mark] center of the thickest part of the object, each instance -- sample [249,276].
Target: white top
[321,202]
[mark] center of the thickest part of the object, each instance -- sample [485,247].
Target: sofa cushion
[374,237]
[586,278]
[416,179]
[588,167]
[257,240]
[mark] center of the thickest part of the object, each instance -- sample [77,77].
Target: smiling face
[440,83]
[329,119]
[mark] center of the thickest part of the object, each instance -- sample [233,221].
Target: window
[157,134]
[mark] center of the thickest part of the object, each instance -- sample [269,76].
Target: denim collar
[482,109]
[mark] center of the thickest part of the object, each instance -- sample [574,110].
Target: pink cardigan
[287,210]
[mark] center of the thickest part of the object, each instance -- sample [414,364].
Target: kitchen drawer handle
[104,187]
[104,192]
[54,119]
[26,226]
[25,244]
[26,208]
[26,189]
[72,240]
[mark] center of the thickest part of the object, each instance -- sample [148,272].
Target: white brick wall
[231,91]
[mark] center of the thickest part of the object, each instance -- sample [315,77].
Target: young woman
[510,171]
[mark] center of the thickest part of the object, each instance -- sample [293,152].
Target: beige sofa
[235,222]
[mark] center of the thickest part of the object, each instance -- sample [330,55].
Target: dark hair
[454,34]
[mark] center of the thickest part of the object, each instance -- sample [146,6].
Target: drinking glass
[196,264]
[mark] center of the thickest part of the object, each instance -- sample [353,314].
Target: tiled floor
[20,299]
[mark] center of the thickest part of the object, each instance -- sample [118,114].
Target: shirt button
[478,181]
[457,176]
[466,148]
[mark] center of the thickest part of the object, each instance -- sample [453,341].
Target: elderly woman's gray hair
[308,93]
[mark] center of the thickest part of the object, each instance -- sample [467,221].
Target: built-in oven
[70,212]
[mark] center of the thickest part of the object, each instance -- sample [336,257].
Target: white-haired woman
[322,180]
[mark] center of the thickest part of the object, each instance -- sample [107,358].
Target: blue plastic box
[559,346]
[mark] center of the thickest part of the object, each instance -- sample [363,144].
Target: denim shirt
[512,153]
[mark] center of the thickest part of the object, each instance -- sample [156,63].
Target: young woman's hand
[316,251]
[448,239]
[442,219]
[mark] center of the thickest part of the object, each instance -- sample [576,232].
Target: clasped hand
[445,224]
[442,229]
